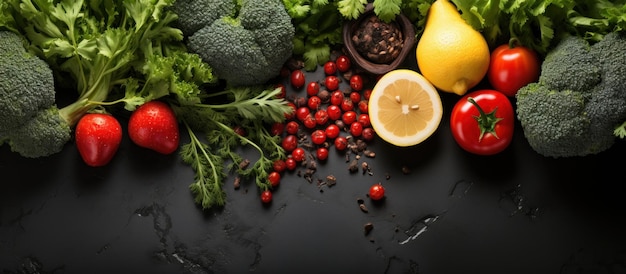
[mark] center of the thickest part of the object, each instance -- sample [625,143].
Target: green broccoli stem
[486,121]
[89,100]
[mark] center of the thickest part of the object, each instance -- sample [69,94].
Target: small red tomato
[513,66]
[297,79]
[368,134]
[334,112]
[377,192]
[331,82]
[318,137]
[302,113]
[283,91]
[347,104]
[277,128]
[321,117]
[289,143]
[309,122]
[266,196]
[356,82]
[279,165]
[274,178]
[314,102]
[330,68]
[367,93]
[356,129]
[364,118]
[482,122]
[355,97]
[341,143]
[321,153]
[292,127]
[349,117]
[97,138]
[313,88]
[153,125]
[336,97]
[343,63]
[291,113]
[363,106]
[291,163]
[240,131]
[332,131]
[298,154]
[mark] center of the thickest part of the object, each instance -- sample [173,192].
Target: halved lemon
[404,108]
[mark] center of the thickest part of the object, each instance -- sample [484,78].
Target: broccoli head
[26,83]
[579,100]
[30,122]
[246,42]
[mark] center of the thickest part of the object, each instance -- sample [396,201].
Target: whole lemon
[451,54]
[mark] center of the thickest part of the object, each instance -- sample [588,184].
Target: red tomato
[97,137]
[377,192]
[343,63]
[274,178]
[512,67]
[266,196]
[332,82]
[486,127]
[297,78]
[153,125]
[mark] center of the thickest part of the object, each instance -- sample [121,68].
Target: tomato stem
[486,121]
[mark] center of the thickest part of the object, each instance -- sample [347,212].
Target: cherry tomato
[291,163]
[367,93]
[336,97]
[347,105]
[356,82]
[330,68]
[318,137]
[356,129]
[513,66]
[277,128]
[349,117]
[341,143]
[368,134]
[331,82]
[482,122]
[321,153]
[332,131]
[310,121]
[298,154]
[355,97]
[274,178]
[313,88]
[321,117]
[302,113]
[279,165]
[377,192]
[266,196]
[334,112]
[290,114]
[292,127]
[343,63]
[363,106]
[314,102]
[153,125]
[297,78]
[364,118]
[289,143]
[283,91]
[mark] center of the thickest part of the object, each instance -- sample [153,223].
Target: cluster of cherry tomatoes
[324,113]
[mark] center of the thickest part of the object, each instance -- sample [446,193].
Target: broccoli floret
[30,122]
[26,83]
[43,135]
[245,46]
[579,100]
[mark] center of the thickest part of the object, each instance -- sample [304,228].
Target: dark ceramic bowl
[408,34]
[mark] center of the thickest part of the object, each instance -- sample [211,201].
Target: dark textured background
[516,212]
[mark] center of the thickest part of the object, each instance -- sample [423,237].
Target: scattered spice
[369,153]
[378,41]
[244,164]
[406,170]
[368,228]
[362,206]
[237,182]
[353,166]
